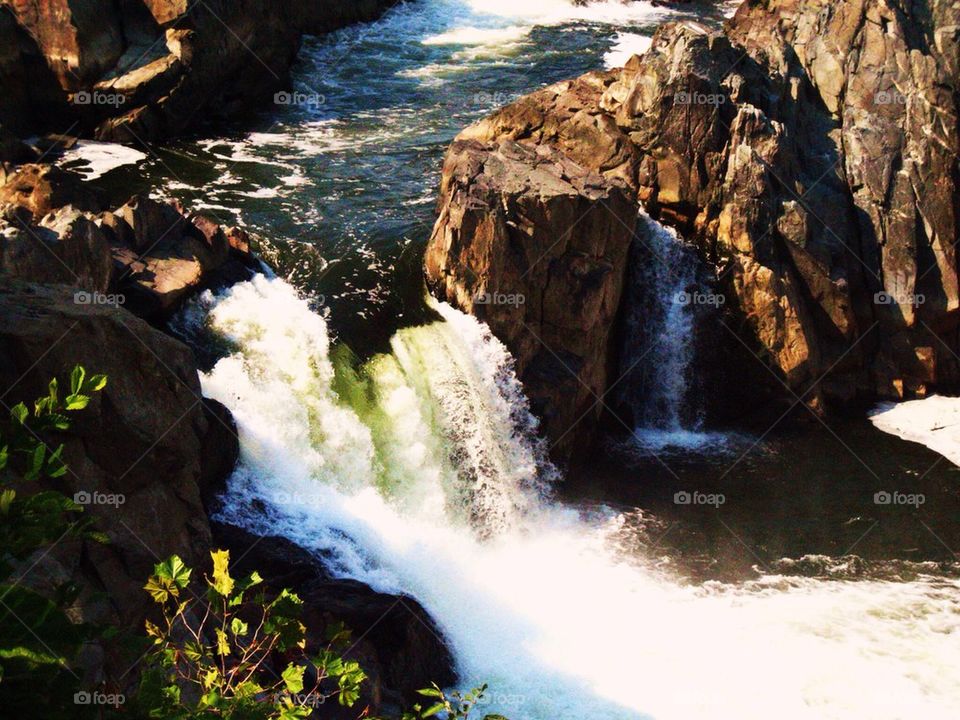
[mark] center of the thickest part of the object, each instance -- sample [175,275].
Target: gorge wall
[809,150]
[138,70]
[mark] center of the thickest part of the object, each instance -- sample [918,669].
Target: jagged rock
[44,188]
[135,454]
[536,246]
[147,254]
[138,71]
[809,150]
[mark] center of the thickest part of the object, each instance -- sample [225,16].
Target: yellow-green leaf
[222,582]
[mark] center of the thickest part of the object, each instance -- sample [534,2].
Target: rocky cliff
[139,70]
[809,150]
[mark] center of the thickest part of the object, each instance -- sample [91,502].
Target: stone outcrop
[146,69]
[134,454]
[550,295]
[809,150]
[396,642]
[148,255]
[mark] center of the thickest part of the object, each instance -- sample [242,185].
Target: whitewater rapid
[420,472]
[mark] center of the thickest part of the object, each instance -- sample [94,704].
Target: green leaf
[6,498]
[76,379]
[238,627]
[76,402]
[433,709]
[223,643]
[95,383]
[222,582]
[36,462]
[431,692]
[293,678]
[174,570]
[19,413]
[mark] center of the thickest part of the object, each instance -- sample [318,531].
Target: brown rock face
[536,246]
[134,454]
[148,255]
[140,70]
[809,150]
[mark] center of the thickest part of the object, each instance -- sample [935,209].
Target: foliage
[455,706]
[213,656]
[37,639]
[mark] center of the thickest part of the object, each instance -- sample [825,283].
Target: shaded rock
[134,454]
[14,150]
[221,448]
[396,641]
[65,247]
[535,245]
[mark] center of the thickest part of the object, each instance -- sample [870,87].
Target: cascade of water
[546,607]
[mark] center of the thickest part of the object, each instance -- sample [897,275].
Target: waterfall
[658,359]
[388,468]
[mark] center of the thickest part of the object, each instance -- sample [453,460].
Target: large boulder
[135,454]
[536,245]
[808,150]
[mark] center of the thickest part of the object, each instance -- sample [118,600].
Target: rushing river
[391,433]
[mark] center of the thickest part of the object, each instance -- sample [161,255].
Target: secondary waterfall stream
[663,295]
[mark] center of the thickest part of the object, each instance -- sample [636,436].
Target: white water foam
[93,159]
[547,609]
[932,421]
[625,46]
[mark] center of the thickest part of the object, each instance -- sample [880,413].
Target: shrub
[213,655]
[37,639]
